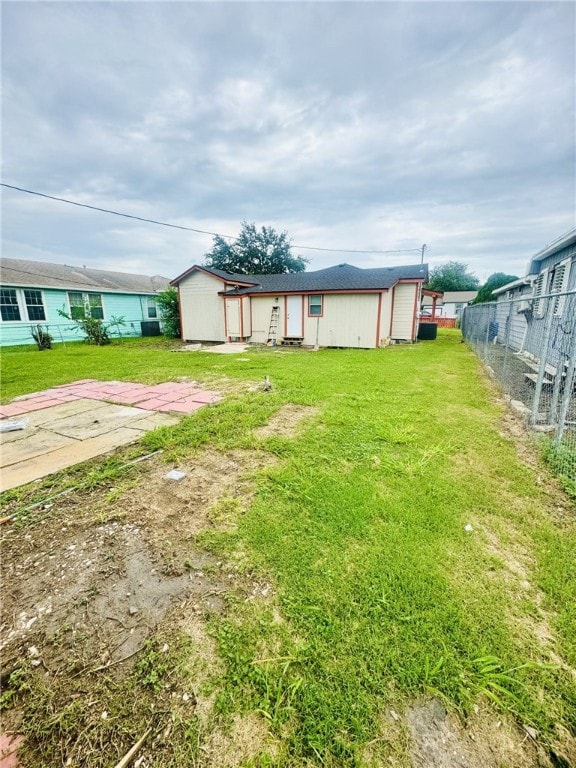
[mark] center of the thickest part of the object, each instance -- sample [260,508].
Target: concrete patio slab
[75,422]
[37,444]
[230,348]
[98,421]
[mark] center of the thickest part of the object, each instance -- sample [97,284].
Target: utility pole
[423,250]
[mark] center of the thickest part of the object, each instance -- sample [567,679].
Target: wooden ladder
[273,329]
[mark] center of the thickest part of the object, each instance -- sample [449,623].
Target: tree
[169,312]
[453,276]
[497,280]
[255,252]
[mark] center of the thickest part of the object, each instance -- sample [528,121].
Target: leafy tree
[453,276]
[169,312]
[255,252]
[497,280]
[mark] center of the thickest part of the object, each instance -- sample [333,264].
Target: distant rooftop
[39,274]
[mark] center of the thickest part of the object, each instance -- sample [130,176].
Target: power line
[192,229]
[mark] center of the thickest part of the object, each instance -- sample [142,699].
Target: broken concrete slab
[83,426]
[66,456]
[18,451]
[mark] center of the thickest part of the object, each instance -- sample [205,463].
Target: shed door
[233,317]
[294,317]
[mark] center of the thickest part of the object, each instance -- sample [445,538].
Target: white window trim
[86,300]
[41,292]
[19,302]
[23,307]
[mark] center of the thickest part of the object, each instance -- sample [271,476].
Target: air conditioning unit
[524,306]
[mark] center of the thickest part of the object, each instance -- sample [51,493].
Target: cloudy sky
[352,125]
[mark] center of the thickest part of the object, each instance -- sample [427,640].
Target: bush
[169,312]
[41,336]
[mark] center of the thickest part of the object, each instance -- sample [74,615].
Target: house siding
[348,320]
[133,308]
[201,309]
[402,326]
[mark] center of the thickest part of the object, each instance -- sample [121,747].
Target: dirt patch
[441,740]
[89,592]
[246,739]
[285,423]
[215,489]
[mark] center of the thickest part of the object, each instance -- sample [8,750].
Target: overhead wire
[193,229]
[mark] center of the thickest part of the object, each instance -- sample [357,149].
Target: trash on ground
[175,474]
[468,528]
[13,426]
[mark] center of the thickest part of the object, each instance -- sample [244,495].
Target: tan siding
[349,320]
[246,325]
[403,311]
[201,309]
[261,314]
[385,315]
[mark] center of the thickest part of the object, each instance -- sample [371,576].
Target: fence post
[570,378]
[542,363]
[505,385]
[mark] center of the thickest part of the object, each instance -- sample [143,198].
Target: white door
[233,320]
[294,328]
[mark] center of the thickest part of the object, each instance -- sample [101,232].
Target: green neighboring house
[32,292]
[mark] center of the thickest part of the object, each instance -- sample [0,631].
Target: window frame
[149,300]
[86,305]
[316,296]
[17,304]
[41,305]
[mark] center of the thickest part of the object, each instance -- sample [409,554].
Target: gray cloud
[351,125]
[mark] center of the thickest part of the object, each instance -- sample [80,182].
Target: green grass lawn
[360,528]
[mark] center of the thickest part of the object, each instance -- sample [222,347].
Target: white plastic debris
[13,426]
[468,527]
[175,474]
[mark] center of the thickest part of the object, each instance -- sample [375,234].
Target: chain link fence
[529,345]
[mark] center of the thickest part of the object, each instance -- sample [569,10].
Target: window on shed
[152,308]
[315,306]
[34,304]
[9,309]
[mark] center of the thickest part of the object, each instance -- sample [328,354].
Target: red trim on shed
[415,313]
[226,322]
[180,315]
[378,320]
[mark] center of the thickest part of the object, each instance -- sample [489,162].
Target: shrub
[41,336]
[169,312]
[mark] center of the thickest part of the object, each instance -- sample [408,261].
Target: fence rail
[529,345]
[442,322]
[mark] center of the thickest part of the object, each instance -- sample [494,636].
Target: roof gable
[342,277]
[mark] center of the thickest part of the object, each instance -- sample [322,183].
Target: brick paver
[168,396]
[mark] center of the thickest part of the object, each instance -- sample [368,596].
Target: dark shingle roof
[39,274]
[343,277]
